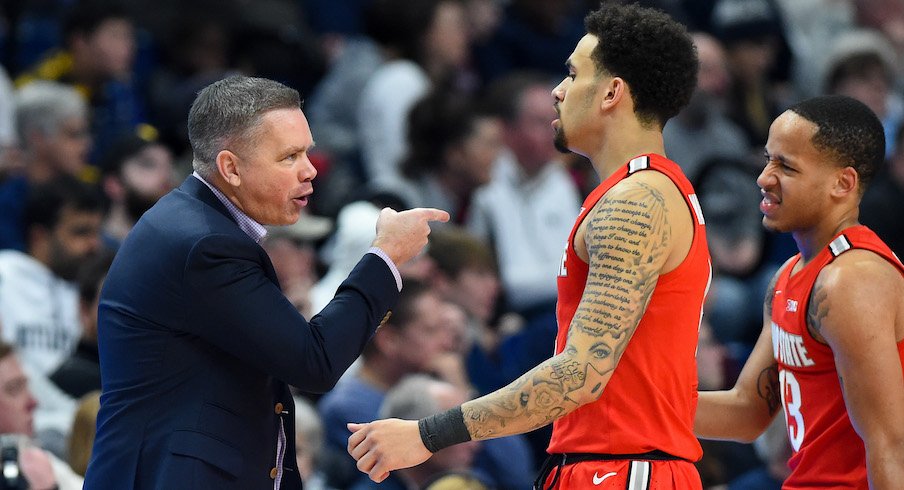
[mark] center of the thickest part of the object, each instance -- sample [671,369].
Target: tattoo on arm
[627,237]
[817,310]
[768,388]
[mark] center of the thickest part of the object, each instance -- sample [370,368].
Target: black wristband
[442,430]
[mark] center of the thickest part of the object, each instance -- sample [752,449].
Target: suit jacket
[197,344]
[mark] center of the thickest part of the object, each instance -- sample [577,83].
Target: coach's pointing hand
[403,234]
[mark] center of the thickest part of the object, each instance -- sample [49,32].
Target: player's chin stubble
[560,141]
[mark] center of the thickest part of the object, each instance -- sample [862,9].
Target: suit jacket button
[273,473]
[278,408]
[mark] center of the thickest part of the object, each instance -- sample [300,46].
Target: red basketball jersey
[649,402]
[827,451]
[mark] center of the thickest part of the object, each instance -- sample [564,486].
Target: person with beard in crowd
[136,173]
[38,297]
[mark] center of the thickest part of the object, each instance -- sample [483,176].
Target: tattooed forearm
[768,388]
[532,401]
[817,310]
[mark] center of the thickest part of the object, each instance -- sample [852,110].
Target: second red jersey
[828,453]
[650,400]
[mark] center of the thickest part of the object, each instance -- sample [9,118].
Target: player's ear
[613,92]
[847,181]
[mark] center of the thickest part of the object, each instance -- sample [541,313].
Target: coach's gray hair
[42,106]
[412,398]
[228,112]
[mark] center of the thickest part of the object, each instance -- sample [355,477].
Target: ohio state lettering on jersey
[827,450]
[789,349]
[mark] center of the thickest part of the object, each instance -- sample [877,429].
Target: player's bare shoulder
[661,195]
[857,283]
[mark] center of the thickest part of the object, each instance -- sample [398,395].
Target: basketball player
[832,344]
[631,286]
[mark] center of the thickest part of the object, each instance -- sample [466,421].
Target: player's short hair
[650,51]
[848,131]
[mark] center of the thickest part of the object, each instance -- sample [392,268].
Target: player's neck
[811,242]
[619,148]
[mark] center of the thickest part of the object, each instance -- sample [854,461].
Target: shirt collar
[252,228]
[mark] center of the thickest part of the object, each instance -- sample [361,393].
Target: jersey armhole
[690,201]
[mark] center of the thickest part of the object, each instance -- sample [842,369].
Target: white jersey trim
[840,245]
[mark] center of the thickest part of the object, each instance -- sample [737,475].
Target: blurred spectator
[292,252]
[811,26]
[340,18]
[863,65]
[40,468]
[410,341]
[81,439]
[886,192]
[52,123]
[412,398]
[728,194]
[80,372]
[276,44]
[425,45]
[712,361]
[96,59]
[355,230]
[466,275]
[309,445]
[452,148]
[195,51]
[722,460]
[7,121]
[751,31]
[886,16]
[136,173]
[774,450]
[532,35]
[529,191]
[38,300]
[702,131]
[332,108]
[456,480]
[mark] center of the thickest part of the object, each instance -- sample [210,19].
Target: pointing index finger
[433,214]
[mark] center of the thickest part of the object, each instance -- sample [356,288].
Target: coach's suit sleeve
[236,307]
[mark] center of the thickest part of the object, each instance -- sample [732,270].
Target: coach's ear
[847,181]
[227,166]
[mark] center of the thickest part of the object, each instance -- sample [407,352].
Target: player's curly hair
[848,131]
[650,51]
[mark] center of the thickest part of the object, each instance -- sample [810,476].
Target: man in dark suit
[197,343]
